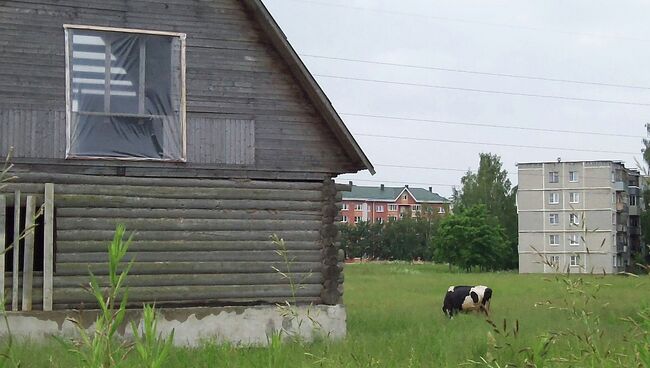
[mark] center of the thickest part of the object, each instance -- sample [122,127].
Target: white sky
[591,41]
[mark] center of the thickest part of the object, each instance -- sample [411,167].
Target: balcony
[621,207]
[634,230]
[621,248]
[620,186]
[621,228]
[634,211]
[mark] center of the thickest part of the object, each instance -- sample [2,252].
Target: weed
[152,349]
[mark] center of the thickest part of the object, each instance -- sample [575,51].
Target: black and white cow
[467,298]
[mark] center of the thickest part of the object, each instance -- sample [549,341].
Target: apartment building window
[345,207]
[379,220]
[380,208]
[573,176]
[554,260]
[392,218]
[392,207]
[358,207]
[553,177]
[574,260]
[574,197]
[554,239]
[344,218]
[554,218]
[573,219]
[574,239]
[357,219]
[416,207]
[632,200]
[634,221]
[441,210]
[553,198]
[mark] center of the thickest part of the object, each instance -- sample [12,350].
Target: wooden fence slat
[16,253]
[48,247]
[28,258]
[3,209]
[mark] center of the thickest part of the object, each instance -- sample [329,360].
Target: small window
[554,239]
[380,208]
[574,239]
[632,200]
[416,207]
[575,261]
[125,94]
[574,197]
[441,210]
[554,260]
[401,215]
[405,197]
[573,176]
[392,218]
[553,177]
[357,219]
[358,207]
[554,198]
[344,218]
[344,207]
[574,219]
[554,218]
[379,220]
[392,207]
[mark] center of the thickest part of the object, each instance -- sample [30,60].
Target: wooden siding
[196,242]
[234,78]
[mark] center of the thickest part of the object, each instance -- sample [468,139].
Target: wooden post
[48,247]
[3,209]
[28,259]
[16,253]
[332,291]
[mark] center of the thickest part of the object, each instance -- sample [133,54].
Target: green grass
[395,320]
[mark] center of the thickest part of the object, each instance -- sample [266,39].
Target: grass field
[395,320]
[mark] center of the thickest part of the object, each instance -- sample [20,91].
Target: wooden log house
[195,124]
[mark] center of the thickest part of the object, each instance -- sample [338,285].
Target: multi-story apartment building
[581,215]
[382,203]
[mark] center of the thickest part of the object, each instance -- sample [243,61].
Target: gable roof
[391,194]
[309,84]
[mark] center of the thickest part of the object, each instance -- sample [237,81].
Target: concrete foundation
[191,326]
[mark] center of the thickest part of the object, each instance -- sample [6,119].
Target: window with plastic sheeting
[125,94]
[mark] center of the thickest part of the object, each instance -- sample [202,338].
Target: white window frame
[379,220]
[392,218]
[416,207]
[344,207]
[574,197]
[380,208]
[554,260]
[553,176]
[574,219]
[573,176]
[574,261]
[357,219]
[574,239]
[182,87]
[554,218]
[392,207]
[344,218]
[554,198]
[553,237]
[358,207]
[441,210]
[632,200]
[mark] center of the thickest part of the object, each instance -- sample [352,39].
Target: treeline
[481,233]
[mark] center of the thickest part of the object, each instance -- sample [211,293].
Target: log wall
[196,242]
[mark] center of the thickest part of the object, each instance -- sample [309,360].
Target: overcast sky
[599,42]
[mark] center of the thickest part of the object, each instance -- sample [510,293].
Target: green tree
[644,219]
[490,187]
[471,238]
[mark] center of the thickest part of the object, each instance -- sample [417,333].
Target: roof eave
[309,84]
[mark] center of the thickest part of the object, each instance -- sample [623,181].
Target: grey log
[169,224]
[197,256]
[68,246]
[253,214]
[48,246]
[15,305]
[107,235]
[28,257]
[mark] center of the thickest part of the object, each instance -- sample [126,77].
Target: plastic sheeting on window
[125,97]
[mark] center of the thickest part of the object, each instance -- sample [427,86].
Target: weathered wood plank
[15,250]
[194,280]
[180,293]
[3,210]
[197,256]
[48,246]
[190,302]
[169,224]
[67,246]
[28,257]
[107,235]
[186,213]
[159,268]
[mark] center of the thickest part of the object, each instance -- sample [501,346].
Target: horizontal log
[223,302]
[164,268]
[186,213]
[182,293]
[73,200]
[72,223]
[107,235]
[198,279]
[68,246]
[189,192]
[194,256]
[59,178]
